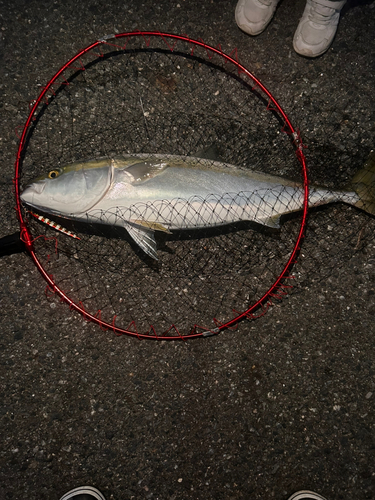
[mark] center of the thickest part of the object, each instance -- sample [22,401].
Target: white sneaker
[253,16]
[317,27]
[306,495]
[83,493]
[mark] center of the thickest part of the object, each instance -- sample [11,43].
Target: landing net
[161,94]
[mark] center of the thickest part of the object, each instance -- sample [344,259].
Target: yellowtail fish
[146,193]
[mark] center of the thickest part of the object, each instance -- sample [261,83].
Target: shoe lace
[320,14]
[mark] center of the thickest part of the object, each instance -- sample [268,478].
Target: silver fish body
[144,193]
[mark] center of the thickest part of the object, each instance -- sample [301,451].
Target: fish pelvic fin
[363,184]
[144,237]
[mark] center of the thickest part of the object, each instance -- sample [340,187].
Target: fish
[144,193]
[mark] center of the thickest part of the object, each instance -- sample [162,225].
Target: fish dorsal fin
[145,170]
[210,153]
[144,238]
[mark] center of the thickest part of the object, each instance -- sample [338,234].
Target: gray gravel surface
[283,403]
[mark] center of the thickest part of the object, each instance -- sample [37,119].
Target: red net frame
[279,287]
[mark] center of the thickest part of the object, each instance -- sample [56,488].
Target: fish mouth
[32,190]
[40,209]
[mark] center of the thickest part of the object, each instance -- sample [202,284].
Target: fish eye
[53,174]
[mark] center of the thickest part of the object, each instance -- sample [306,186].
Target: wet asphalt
[282,403]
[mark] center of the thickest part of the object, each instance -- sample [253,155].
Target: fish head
[71,190]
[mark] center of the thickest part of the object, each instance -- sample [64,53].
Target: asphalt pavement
[283,402]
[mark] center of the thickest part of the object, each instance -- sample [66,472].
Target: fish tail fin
[363,183]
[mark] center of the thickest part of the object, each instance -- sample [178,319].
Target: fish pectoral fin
[144,238]
[273,221]
[153,226]
[142,171]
